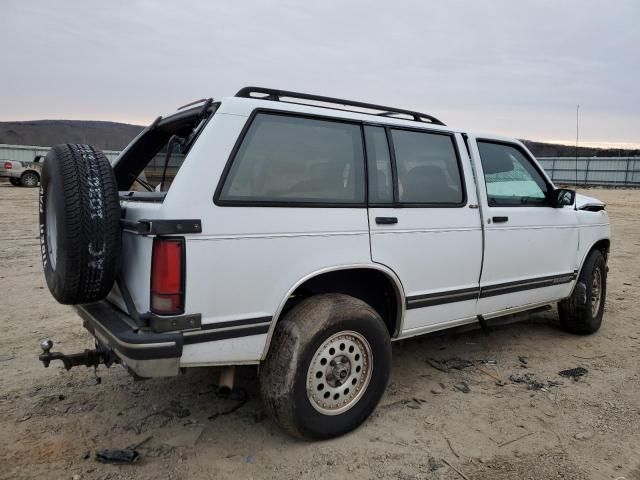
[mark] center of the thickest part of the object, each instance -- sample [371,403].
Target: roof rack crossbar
[277,95]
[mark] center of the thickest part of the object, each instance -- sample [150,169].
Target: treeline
[540,149]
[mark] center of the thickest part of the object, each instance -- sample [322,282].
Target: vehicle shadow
[165,416]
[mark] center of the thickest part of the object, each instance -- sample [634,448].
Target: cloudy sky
[512,67]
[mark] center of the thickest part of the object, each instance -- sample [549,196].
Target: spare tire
[80,234]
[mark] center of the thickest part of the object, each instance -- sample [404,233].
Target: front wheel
[327,367]
[582,312]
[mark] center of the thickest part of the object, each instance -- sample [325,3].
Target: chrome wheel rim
[596,292]
[51,229]
[339,373]
[30,180]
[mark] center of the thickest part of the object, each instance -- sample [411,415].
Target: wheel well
[603,246]
[371,286]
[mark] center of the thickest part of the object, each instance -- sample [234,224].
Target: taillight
[8,166]
[167,276]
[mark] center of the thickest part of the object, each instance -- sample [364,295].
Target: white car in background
[23,174]
[304,234]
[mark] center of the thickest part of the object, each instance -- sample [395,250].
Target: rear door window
[428,168]
[288,160]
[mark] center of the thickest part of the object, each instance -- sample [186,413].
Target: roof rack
[278,95]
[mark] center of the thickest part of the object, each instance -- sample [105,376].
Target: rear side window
[288,160]
[428,168]
[510,177]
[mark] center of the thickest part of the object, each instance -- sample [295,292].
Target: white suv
[304,234]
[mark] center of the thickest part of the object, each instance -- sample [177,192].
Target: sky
[516,68]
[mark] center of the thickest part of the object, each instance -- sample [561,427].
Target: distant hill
[540,149]
[45,133]
[115,136]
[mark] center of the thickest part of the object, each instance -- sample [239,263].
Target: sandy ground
[52,422]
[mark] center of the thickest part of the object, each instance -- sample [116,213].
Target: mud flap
[580,295]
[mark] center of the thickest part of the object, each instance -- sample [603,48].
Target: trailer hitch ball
[46,346]
[88,358]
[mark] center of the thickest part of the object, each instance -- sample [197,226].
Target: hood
[588,203]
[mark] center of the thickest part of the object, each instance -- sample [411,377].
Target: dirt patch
[53,421]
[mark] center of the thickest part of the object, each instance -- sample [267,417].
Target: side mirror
[562,196]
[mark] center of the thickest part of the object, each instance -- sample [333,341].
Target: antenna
[577,137]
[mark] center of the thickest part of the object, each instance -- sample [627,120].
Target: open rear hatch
[144,173]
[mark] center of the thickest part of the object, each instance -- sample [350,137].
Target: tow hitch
[88,358]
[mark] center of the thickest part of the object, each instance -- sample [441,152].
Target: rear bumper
[147,354]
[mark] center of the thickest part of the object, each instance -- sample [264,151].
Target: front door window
[509,176]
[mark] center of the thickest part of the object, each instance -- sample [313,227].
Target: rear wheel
[582,312]
[29,179]
[327,367]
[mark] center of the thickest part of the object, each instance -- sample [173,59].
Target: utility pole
[577,138]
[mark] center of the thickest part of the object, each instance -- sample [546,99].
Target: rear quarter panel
[247,259]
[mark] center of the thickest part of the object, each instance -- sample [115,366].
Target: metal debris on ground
[530,380]
[117,456]
[573,372]
[449,364]
[131,454]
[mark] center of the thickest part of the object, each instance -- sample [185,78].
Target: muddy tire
[80,233]
[29,179]
[582,312]
[327,366]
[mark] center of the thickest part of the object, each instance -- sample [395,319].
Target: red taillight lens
[8,166]
[167,276]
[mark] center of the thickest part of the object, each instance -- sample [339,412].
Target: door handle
[386,220]
[500,219]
